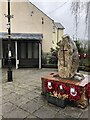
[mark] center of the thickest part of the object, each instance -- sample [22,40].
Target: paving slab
[19,102]
[44,112]
[13,97]
[0,117]
[0,110]
[73,111]
[61,114]
[31,106]
[31,116]
[16,113]
[85,113]
[41,100]
[6,92]
[0,100]
[7,107]
[22,98]
[53,107]
[0,91]
[31,95]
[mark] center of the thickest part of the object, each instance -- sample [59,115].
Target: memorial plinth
[70,89]
[67,84]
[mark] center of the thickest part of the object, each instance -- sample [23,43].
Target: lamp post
[9,72]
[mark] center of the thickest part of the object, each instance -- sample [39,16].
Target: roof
[40,10]
[59,25]
[28,36]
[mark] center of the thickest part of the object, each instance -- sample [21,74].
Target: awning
[22,36]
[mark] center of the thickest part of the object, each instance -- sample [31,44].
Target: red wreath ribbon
[66,89]
[87,87]
[75,95]
[49,89]
[57,88]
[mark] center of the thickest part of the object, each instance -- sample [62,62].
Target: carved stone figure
[68,59]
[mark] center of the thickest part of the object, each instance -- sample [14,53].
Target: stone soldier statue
[68,60]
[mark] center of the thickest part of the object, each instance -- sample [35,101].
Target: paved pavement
[22,98]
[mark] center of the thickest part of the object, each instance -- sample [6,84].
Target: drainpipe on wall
[40,48]
[57,35]
[1,53]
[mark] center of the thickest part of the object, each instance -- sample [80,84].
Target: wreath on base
[75,93]
[60,89]
[87,88]
[49,86]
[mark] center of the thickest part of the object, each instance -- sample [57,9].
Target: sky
[61,12]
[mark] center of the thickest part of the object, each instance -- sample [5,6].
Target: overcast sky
[60,12]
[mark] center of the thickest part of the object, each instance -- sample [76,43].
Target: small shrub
[53,60]
[44,58]
[84,65]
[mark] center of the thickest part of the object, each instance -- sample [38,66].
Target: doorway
[28,54]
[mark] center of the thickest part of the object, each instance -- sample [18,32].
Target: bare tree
[77,8]
[88,18]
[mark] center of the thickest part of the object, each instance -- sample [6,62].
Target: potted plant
[51,98]
[61,100]
[57,99]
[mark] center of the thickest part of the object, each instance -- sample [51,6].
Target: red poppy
[87,87]
[60,87]
[75,92]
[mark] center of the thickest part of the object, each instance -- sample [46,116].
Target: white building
[32,31]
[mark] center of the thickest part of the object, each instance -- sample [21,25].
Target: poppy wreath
[51,88]
[76,94]
[62,89]
[87,88]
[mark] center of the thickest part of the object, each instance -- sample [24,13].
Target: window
[29,50]
[54,29]
[35,50]
[23,50]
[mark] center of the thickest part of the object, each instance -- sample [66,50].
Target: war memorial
[67,87]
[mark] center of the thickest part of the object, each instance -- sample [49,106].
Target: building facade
[32,32]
